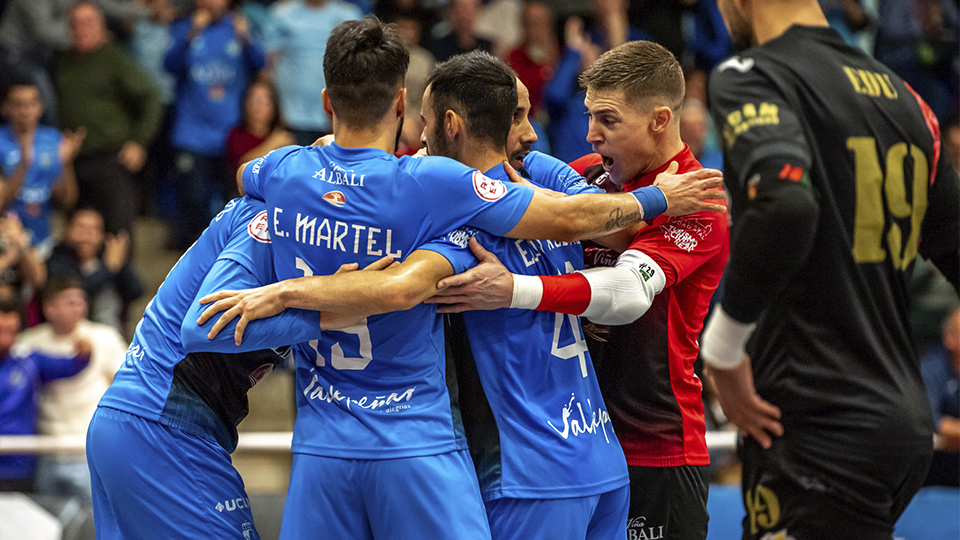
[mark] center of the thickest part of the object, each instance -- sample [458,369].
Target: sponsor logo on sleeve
[256,166]
[488,189]
[742,65]
[336,198]
[684,232]
[259,229]
[646,271]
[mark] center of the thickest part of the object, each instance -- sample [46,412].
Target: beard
[438,145]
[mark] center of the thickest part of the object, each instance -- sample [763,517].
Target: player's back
[333,205]
[535,419]
[144,384]
[836,346]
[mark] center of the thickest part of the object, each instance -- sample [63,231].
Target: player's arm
[587,216]
[355,294]
[611,295]
[940,232]
[291,326]
[51,368]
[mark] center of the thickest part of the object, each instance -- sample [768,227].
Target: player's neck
[481,157]
[772,19]
[381,137]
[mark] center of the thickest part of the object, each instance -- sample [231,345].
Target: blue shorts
[153,481]
[386,499]
[598,517]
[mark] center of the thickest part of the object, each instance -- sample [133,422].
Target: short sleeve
[454,246]
[257,173]
[680,244]
[457,195]
[551,173]
[754,121]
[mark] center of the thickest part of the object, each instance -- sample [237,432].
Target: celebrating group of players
[495,427]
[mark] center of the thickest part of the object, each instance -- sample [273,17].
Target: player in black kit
[837,183]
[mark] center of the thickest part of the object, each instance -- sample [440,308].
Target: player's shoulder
[731,74]
[430,169]
[550,172]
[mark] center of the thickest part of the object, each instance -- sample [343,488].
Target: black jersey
[833,350]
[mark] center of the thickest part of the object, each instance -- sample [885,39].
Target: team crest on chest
[336,198]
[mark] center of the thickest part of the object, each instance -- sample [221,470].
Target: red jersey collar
[684,158]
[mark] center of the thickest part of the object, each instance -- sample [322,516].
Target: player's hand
[691,192]
[249,305]
[330,320]
[489,285]
[739,400]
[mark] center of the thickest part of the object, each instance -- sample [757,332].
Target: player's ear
[401,102]
[325,100]
[452,124]
[660,119]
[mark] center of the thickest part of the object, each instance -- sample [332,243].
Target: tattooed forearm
[619,220]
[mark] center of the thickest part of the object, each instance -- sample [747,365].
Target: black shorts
[805,496]
[668,503]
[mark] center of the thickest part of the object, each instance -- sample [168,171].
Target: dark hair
[364,67]
[58,283]
[642,70]
[277,120]
[19,79]
[479,87]
[9,304]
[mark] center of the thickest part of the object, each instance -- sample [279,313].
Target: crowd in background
[122,108]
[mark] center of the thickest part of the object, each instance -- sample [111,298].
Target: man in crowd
[101,89]
[836,186]
[657,291]
[66,405]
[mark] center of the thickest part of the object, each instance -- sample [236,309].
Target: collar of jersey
[497,172]
[684,158]
[352,154]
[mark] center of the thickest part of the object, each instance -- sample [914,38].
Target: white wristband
[527,292]
[723,342]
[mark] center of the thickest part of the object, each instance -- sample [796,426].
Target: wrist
[527,292]
[652,201]
[724,340]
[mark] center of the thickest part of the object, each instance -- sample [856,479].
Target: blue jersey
[22,375]
[377,390]
[32,204]
[212,72]
[180,386]
[549,434]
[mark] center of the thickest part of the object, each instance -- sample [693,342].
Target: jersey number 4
[577,349]
[337,358]
[882,192]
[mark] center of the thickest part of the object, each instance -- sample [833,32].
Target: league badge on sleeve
[258,228]
[488,189]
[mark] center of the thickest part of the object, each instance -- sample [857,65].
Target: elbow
[400,294]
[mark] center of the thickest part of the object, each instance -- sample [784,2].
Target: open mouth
[607,162]
[519,156]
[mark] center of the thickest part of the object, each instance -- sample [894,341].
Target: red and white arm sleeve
[617,295]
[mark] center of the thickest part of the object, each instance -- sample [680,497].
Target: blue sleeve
[454,247]
[458,195]
[551,173]
[254,57]
[289,327]
[256,174]
[175,61]
[563,84]
[273,35]
[57,367]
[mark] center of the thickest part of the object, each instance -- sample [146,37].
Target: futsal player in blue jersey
[159,443]
[378,451]
[548,461]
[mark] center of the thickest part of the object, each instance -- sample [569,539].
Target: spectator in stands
[462,20]
[36,163]
[536,57]
[409,24]
[662,20]
[296,39]
[66,405]
[22,375]
[941,375]
[101,262]
[213,59]
[22,271]
[695,131]
[260,129]
[102,89]
[563,97]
